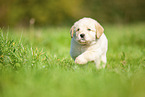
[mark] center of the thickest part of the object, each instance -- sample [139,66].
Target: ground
[35,62]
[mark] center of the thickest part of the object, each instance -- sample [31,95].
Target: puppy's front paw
[80,60]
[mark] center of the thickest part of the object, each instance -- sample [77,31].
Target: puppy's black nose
[82,35]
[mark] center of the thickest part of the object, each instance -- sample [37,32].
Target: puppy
[88,42]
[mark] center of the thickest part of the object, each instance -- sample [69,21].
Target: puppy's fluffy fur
[88,42]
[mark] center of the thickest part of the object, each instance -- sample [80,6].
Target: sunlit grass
[36,63]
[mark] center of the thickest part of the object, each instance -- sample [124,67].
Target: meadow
[36,63]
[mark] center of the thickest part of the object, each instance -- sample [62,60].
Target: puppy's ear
[99,30]
[72,31]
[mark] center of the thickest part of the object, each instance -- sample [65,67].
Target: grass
[36,63]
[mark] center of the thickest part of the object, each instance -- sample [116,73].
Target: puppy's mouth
[82,41]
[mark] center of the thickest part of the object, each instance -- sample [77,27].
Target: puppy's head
[86,30]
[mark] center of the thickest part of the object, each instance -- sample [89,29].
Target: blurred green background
[65,12]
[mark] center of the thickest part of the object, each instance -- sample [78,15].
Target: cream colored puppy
[88,42]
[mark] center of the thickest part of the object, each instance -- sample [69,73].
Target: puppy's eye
[89,29]
[78,29]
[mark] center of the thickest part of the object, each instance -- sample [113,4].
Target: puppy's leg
[98,61]
[104,60]
[80,59]
[85,57]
